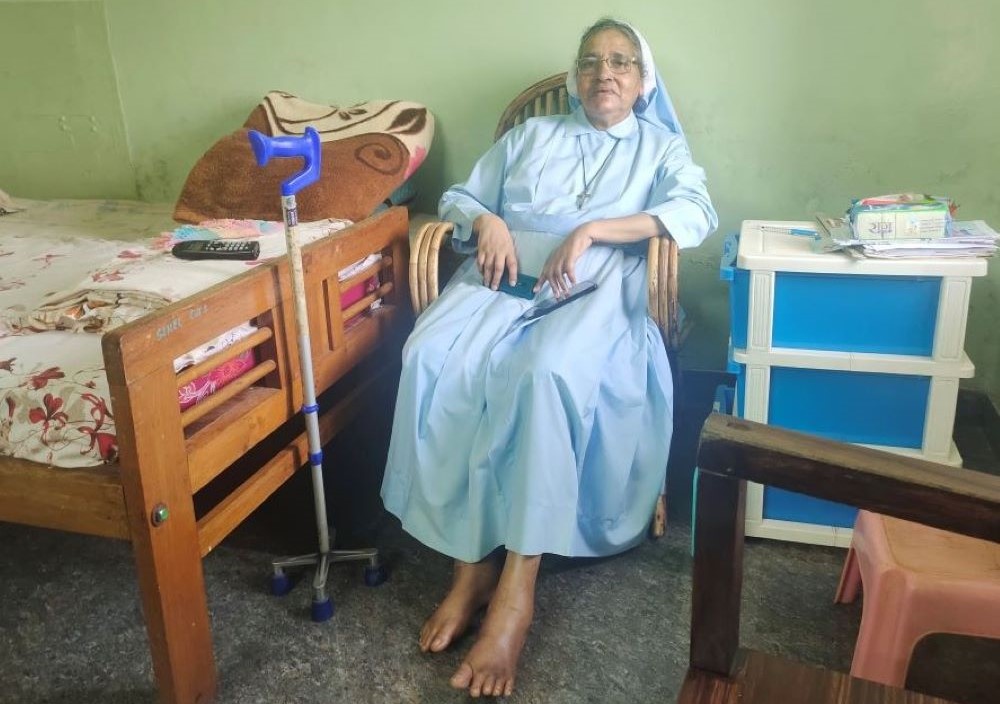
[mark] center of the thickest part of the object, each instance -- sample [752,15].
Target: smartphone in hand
[550,304]
[523,288]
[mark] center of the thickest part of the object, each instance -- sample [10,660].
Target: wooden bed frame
[167,455]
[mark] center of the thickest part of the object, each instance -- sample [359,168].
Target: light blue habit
[549,436]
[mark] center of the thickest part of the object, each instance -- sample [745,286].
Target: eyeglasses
[618,63]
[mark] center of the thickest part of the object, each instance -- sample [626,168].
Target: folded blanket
[285,114]
[144,278]
[367,152]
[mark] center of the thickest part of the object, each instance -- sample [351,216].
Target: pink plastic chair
[917,581]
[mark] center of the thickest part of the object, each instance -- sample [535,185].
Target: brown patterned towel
[368,150]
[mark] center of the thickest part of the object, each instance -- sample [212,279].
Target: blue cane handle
[306,146]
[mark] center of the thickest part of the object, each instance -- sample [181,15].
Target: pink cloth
[207,384]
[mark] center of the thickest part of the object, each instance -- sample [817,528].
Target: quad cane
[307,146]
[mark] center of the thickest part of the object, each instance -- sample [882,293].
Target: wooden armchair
[427,258]
[733,451]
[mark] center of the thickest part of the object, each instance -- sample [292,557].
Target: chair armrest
[424,253]
[661,265]
[959,500]
[661,274]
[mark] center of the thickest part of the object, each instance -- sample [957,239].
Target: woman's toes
[462,677]
[497,687]
[476,689]
[430,638]
[488,683]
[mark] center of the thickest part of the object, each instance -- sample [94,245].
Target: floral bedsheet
[137,278]
[57,260]
[54,401]
[55,406]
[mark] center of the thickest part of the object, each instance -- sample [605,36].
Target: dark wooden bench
[733,451]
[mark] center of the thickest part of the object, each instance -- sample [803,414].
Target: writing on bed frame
[175,324]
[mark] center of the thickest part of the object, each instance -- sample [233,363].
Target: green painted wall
[790,106]
[61,120]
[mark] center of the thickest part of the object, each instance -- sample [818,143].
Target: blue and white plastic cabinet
[862,351]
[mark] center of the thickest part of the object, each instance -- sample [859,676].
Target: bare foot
[471,589]
[489,668]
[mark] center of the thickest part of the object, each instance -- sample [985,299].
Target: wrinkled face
[607,97]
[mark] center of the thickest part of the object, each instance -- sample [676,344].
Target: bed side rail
[342,336]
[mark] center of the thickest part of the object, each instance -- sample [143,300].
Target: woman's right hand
[494,250]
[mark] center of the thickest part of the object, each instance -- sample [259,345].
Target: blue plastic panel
[739,307]
[783,505]
[886,314]
[863,407]
[788,506]
[843,313]
[880,409]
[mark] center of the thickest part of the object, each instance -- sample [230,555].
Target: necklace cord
[585,193]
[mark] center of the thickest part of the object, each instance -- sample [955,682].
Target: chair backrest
[547,97]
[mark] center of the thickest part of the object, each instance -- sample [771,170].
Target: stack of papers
[972,238]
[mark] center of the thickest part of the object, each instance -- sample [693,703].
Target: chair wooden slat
[547,97]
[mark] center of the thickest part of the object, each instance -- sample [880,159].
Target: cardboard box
[902,216]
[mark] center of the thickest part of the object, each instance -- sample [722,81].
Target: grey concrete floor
[610,630]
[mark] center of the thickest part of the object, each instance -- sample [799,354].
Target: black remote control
[234,250]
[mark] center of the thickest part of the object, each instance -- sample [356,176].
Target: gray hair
[606,23]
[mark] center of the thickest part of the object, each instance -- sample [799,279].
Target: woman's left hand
[560,268]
